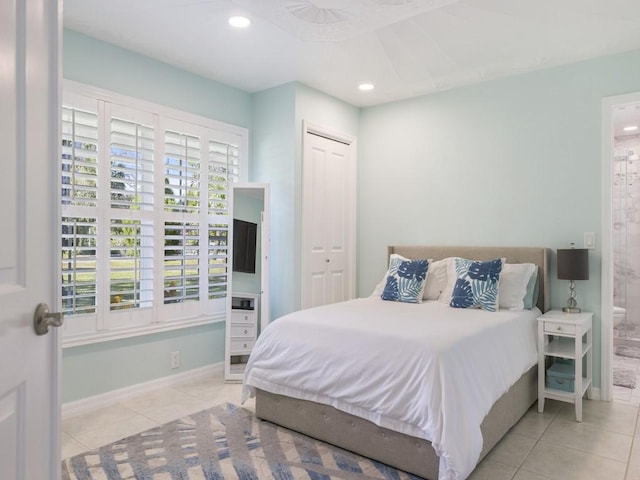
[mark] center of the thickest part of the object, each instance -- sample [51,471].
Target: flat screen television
[244,246]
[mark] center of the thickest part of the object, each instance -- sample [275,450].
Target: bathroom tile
[109,433]
[610,416]
[97,418]
[488,470]
[533,424]
[207,388]
[561,463]
[633,469]
[589,438]
[166,404]
[512,449]
[621,393]
[70,446]
[526,475]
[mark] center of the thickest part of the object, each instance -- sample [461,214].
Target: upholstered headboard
[537,255]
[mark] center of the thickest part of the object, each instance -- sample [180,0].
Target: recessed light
[630,128]
[239,22]
[365,87]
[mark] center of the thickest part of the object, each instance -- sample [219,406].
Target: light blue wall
[514,161]
[94,369]
[277,160]
[98,368]
[273,162]
[91,61]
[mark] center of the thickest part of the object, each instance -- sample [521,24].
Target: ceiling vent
[326,13]
[337,20]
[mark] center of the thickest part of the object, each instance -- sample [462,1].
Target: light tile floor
[625,395]
[547,446]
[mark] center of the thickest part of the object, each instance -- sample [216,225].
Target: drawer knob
[559,328]
[246,331]
[245,346]
[246,317]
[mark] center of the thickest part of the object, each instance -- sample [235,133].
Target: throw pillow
[405,280]
[476,284]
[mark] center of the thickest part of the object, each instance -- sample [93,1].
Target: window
[144,215]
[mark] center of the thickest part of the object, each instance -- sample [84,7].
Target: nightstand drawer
[243,317]
[559,328]
[243,331]
[241,346]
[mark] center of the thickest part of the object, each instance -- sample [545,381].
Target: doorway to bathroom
[625,250]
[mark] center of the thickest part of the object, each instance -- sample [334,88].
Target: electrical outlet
[175,359]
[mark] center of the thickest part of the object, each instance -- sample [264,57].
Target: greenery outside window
[144,217]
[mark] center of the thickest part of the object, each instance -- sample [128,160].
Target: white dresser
[243,331]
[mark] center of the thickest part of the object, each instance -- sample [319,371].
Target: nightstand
[567,339]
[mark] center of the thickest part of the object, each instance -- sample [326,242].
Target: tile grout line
[537,440]
[636,431]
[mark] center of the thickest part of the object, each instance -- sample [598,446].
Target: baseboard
[84,405]
[595,394]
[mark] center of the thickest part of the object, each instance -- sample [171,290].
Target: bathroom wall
[626,234]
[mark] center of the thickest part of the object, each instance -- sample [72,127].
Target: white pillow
[436,280]
[445,295]
[377,292]
[513,285]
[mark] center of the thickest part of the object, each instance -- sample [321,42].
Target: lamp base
[571,310]
[572,305]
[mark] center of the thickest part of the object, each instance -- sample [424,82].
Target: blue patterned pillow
[405,280]
[476,284]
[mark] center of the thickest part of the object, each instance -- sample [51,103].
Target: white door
[29,403]
[328,218]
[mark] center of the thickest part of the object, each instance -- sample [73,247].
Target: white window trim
[75,88]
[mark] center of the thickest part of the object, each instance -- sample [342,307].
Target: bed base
[407,453]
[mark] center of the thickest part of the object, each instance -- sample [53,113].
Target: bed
[409,424]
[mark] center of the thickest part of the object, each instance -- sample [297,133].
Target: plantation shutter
[79,170]
[144,224]
[182,175]
[78,266]
[223,169]
[132,146]
[131,218]
[181,172]
[131,264]
[181,262]
[79,157]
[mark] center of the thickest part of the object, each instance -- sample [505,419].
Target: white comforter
[426,370]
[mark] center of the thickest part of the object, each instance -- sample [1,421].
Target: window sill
[110,335]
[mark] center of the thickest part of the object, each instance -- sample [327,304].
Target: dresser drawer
[243,317]
[241,346]
[243,331]
[559,328]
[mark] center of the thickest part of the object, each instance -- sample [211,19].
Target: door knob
[42,319]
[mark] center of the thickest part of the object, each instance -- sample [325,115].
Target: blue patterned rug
[225,442]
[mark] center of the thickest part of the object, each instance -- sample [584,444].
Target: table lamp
[573,264]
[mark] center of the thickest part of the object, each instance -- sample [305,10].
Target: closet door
[328,217]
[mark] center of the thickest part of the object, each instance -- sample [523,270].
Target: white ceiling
[405,47]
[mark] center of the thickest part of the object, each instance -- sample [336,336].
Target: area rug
[225,442]
[624,377]
[628,351]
